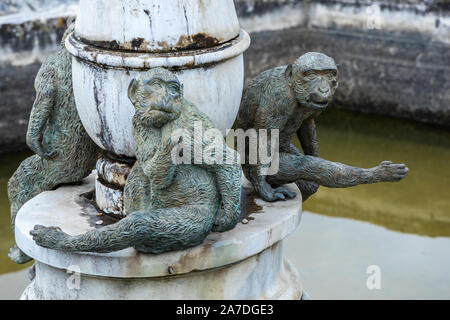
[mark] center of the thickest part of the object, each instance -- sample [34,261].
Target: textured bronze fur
[289,99]
[64,151]
[171,206]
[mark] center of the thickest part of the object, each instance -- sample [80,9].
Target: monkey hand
[269,194]
[222,225]
[167,145]
[36,147]
[48,237]
[50,155]
[390,172]
[228,217]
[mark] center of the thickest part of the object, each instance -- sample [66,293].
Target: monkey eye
[173,89]
[332,74]
[155,83]
[309,75]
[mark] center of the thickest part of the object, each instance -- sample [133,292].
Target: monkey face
[157,100]
[315,88]
[314,79]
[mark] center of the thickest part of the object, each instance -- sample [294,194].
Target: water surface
[420,204]
[8,164]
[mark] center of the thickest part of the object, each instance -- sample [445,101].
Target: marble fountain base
[244,263]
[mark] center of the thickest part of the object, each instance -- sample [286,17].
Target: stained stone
[244,263]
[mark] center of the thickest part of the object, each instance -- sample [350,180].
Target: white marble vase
[115,40]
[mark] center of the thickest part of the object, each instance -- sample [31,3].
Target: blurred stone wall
[394,55]
[30,30]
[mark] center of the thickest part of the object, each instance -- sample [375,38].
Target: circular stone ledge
[75,215]
[178,60]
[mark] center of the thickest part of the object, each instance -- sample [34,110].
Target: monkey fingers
[50,155]
[269,194]
[37,148]
[390,172]
[286,192]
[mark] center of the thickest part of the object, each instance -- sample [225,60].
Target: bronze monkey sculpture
[64,151]
[289,99]
[171,206]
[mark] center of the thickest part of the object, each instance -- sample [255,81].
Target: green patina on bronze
[290,99]
[171,206]
[64,151]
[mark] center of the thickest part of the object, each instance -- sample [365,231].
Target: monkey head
[314,79]
[157,96]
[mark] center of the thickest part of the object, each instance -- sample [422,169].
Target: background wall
[393,55]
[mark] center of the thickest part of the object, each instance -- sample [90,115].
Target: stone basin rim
[180,60]
[270,226]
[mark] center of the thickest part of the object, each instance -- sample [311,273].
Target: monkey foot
[18,256]
[280,193]
[48,237]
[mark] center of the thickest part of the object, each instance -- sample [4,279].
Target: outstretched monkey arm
[41,111]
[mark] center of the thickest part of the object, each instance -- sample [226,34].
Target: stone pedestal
[109,186]
[244,263]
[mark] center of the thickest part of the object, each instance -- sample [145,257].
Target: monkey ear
[289,72]
[132,90]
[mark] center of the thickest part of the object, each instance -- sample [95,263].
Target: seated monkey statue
[64,153]
[169,205]
[290,99]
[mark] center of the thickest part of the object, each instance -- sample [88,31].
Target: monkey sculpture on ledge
[289,99]
[170,206]
[64,152]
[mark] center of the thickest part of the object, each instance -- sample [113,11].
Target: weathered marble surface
[244,263]
[109,185]
[213,80]
[266,275]
[64,208]
[113,172]
[109,200]
[156,26]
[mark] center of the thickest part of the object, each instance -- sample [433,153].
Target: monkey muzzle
[161,112]
[319,101]
[321,95]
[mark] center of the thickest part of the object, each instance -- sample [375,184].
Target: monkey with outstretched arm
[289,99]
[169,205]
[64,151]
